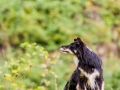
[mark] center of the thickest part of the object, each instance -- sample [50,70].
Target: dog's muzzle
[66,49]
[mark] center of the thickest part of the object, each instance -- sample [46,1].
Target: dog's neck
[76,61]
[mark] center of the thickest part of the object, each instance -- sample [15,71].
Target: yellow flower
[22,86]
[30,89]
[42,74]
[7,77]
[43,65]
[14,85]
[46,53]
[14,71]
[12,63]
[41,88]
[2,86]
[89,3]
[27,69]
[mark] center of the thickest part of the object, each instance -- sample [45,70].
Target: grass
[36,69]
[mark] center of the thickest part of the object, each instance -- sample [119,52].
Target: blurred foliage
[111,73]
[36,69]
[51,23]
[31,70]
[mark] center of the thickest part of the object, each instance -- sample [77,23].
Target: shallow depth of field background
[31,32]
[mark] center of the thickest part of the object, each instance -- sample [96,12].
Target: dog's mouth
[65,50]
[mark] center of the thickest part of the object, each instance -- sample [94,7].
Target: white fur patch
[76,60]
[85,87]
[78,87]
[103,85]
[89,48]
[91,77]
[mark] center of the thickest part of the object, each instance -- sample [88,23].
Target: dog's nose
[62,48]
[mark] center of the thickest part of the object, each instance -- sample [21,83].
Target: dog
[88,74]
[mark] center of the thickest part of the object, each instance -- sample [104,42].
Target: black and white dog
[88,74]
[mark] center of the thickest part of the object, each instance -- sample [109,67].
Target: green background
[28,26]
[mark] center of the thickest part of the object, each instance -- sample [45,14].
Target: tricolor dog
[88,74]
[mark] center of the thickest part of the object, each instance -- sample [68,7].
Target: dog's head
[74,48]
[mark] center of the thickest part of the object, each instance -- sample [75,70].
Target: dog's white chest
[76,61]
[91,77]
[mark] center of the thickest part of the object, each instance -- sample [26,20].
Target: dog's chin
[66,52]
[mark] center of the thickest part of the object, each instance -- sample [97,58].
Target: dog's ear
[77,40]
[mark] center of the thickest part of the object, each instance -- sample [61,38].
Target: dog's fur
[88,74]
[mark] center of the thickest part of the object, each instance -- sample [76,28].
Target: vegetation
[26,26]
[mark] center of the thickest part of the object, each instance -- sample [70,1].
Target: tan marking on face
[75,51]
[67,50]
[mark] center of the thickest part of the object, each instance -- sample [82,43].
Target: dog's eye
[71,47]
[77,45]
[75,51]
